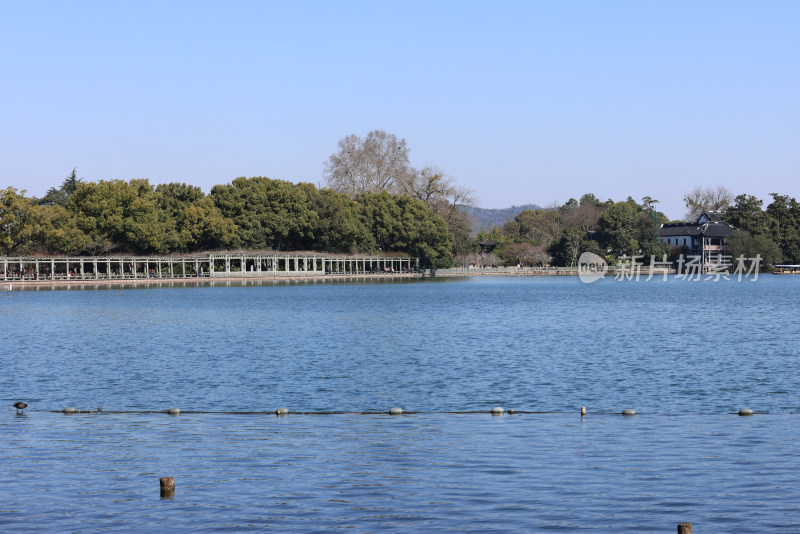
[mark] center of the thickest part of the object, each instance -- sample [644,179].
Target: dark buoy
[20,406]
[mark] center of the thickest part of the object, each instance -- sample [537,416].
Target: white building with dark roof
[704,238]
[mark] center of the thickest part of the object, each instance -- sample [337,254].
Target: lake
[685,355]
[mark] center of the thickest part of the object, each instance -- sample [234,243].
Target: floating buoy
[395,411]
[746,411]
[628,412]
[497,410]
[282,411]
[174,411]
[583,411]
[70,409]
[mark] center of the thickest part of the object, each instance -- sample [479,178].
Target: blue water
[683,354]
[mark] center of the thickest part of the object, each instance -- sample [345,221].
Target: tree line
[559,234]
[374,202]
[135,217]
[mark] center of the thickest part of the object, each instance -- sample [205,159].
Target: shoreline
[193,281]
[10,285]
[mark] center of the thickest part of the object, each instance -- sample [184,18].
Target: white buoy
[70,409]
[174,411]
[282,411]
[497,410]
[583,411]
[396,411]
[746,411]
[628,412]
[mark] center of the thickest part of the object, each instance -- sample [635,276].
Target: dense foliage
[425,221]
[558,235]
[134,217]
[776,227]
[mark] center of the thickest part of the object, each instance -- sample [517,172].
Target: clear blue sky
[522,101]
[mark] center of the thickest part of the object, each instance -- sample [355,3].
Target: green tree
[20,220]
[270,214]
[338,226]
[59,232]
[539,227]
[199,223]
[619,228]
[628,228]
[201,226]
[61,195]
[746,214]
[784,220]
[741,243]
[123,215]
[404,224]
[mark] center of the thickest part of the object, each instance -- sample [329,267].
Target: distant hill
[486,218]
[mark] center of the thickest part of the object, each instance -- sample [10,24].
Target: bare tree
[528,253]
[434,187]
[376,163]
[586,217]
[706,199]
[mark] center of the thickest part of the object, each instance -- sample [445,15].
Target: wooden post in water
[168,488]
[684,528]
